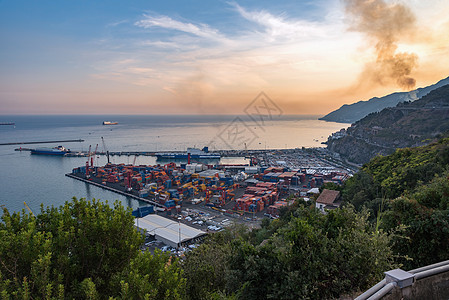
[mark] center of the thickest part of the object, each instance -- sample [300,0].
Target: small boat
[109,123]
[57,151]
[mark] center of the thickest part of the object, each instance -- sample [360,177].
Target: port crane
[93,156]
[87,163]
[105,149]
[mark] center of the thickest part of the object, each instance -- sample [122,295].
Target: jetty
[115,190]
[42,142]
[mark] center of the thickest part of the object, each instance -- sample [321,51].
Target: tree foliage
[84,249]
[304,254]
[422,233]
[408,191]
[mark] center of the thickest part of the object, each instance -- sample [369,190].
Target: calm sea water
[40,179]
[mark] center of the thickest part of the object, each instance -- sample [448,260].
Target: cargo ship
[57,151]
[109,123]
[194,153]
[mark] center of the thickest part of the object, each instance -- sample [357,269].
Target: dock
[42,142]
[115,190]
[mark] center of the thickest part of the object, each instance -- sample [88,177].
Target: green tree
[206,267]
[305,255]
[84,249]
[422,234]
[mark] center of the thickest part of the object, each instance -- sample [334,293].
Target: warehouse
[168,231]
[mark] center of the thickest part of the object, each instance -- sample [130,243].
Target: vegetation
[82,250]
[396,214]
[409,124]
[409,192]
[304,254]
[87,250]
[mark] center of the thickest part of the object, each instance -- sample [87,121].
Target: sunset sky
[211,57]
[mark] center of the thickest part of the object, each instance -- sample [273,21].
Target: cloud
[279,27]
[201,30]
[193,61]
[114,24]
[190,62]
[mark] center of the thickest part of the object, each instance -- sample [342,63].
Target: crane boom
[93,156]
[87,164]
[105,149]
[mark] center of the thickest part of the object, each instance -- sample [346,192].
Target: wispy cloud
[201,30]
[198,60]
[279,26]
[114,24]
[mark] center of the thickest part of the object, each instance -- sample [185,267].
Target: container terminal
[209,197]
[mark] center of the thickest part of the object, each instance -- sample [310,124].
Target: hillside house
[328,199]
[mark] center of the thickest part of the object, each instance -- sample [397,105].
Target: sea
[39,180]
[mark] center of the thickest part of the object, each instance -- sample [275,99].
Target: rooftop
[168,229]
[328,197]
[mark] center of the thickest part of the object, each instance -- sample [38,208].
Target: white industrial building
[168,231]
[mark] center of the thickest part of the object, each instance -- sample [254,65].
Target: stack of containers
[136,182]
[252,207]
[260,204]
[168,184]
[170,204]
[163,198]
[274,209]
[143,193]
[295,180]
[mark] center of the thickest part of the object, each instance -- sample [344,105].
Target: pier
[115,190]
[42,142]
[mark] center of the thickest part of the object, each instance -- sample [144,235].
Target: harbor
[238,186]
[242,192]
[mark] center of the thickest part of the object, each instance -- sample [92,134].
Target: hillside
[407,193]
[354,112]
[409,124]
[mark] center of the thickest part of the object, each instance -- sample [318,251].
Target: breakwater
[115,190]
[42,142]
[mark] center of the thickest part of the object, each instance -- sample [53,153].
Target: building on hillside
[328,199]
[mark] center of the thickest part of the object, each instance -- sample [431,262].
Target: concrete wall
[433,287]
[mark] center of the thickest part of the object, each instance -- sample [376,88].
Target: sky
[215,57]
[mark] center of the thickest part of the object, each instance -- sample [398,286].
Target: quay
[42,142]
[115,190]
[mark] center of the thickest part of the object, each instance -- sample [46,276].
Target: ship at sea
[56,151]
[193,152]
[110,123]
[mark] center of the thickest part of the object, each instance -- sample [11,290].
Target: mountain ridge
[350,113]
[409,124]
